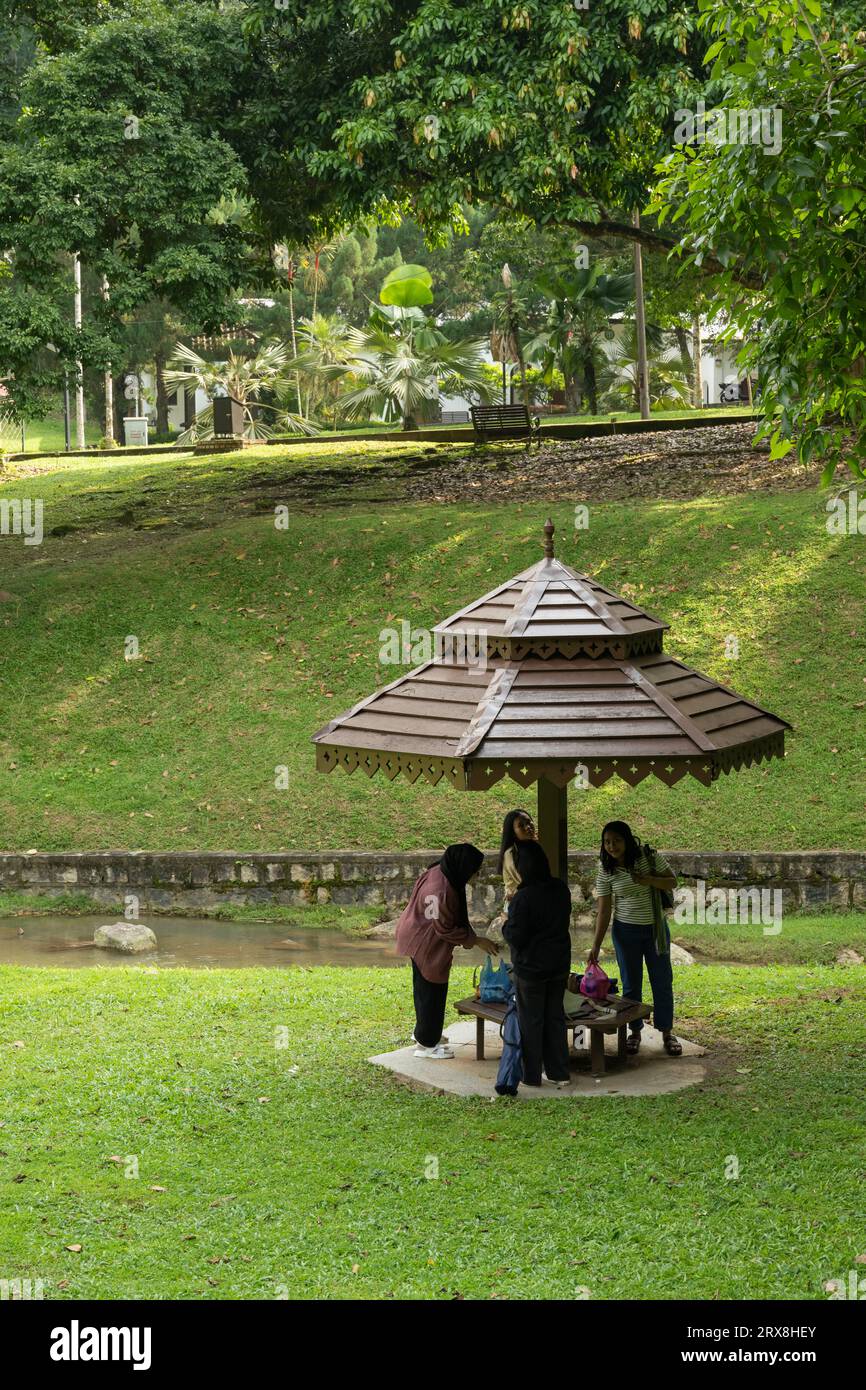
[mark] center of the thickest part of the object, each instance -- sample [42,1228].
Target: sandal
[632,1043]
[673,1047]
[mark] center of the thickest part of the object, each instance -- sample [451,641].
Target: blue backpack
[510,1073]
[494,986]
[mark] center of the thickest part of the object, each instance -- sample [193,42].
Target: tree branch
[655,241]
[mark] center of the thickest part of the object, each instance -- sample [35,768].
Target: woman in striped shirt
[626,877]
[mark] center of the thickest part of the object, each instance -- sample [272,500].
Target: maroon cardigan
[429,927]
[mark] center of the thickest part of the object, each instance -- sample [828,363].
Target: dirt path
[720,460]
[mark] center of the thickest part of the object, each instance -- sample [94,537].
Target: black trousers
[429,1008]
[543,1030]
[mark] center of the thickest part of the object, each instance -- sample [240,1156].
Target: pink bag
[595,984]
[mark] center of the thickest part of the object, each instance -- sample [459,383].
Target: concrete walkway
[651,1073]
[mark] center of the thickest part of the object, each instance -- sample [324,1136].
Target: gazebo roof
[552,609]
[551,676]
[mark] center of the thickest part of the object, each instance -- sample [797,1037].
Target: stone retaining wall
[184,882]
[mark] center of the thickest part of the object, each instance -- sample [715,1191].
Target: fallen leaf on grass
[76,1249]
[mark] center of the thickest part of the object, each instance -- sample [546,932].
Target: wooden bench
[495,1013]
[505,422]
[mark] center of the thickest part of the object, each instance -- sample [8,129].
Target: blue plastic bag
[494,985]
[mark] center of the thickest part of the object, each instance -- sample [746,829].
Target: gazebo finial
[549,529]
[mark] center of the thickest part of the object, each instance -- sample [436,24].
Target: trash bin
[135,430]
[228,417]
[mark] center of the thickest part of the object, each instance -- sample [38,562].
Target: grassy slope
[321,1191]
[252,638]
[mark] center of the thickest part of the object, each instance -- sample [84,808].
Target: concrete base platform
[651,1073]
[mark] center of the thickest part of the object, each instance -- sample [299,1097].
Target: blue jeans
[634,945]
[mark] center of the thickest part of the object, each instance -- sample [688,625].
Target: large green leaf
[409,286]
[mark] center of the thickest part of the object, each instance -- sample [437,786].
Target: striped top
[632,902]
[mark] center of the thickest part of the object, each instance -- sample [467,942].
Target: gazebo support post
[553,825]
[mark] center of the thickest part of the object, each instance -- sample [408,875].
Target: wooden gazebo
[576,684]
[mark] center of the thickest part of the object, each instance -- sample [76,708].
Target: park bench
[495,1013]
[505,422]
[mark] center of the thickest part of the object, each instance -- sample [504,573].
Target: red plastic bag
[595,984]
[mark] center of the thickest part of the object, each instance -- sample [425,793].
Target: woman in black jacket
[537,932]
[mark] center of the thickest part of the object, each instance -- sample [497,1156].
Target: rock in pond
[680,956]
[125,936]
[382,931]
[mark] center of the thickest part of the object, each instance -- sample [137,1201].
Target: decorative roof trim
[618,648]
[479,774]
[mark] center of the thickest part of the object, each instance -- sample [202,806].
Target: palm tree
[285,259]
[670,372]
[315,273]
[582,302]
[323,357]
[509,308]
[242,378]
[404,362]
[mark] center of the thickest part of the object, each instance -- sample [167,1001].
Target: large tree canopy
[172,144]
[540,107]
[120,152]
[793,219]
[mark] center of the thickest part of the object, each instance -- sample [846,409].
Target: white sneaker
[439,1053]
[443,1039]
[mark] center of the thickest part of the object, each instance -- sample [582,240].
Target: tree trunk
[80,437]
[118,408]
[108,413]
[591,384]
[108,383]
[640,327]
[572,395]
[697,371]
[295,343]
[161,396]
[188,406]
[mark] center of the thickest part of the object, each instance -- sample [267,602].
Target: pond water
[187,941]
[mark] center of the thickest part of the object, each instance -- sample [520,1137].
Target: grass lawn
[301,1170]
[251,638]
[49,434]
[815,938]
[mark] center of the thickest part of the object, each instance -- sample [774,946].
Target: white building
[718,370]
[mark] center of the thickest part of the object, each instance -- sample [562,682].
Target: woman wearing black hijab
[537,932]
[434,921]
